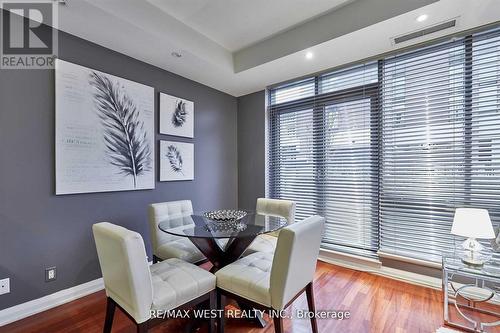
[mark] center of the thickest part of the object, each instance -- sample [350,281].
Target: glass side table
[466,288]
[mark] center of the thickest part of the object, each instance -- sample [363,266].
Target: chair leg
[278,324]
[221,304]
[213,305]
[142,327]
[312,307]
[110,312]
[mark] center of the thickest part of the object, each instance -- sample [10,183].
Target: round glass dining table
[221,242]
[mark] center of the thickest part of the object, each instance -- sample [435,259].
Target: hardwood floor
[376,304]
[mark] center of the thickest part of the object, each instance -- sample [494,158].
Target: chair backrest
[277,207]
[125,269]
[295,257]
[163,211]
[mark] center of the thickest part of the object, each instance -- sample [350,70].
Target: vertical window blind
[387,150]
[423,150]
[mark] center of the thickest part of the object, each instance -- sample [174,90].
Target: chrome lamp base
[472,253]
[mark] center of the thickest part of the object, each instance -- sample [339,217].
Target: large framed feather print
[104,132]
[176,116]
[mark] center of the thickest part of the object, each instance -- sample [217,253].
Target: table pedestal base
[221,257]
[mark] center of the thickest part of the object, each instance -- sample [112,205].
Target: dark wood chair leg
[142,327]
[312,307]
[213,305]
[221,304]
[278,324]
[110,312]
[259,320]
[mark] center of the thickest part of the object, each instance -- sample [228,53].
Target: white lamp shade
[472,223]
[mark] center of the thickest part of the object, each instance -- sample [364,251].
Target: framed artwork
[176,116]
[176,161]
[104,132]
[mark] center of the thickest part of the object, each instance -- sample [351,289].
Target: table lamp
[472,223]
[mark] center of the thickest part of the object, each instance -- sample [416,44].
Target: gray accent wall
[251,148]
[39,229]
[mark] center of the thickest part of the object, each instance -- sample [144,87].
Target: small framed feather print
[176,116]
[176,161]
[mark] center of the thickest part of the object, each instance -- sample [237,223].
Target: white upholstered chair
[272,282]
[166,246]
[274,207]
[138,288]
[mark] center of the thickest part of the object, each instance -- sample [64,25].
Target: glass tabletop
[198,226]
[452,262]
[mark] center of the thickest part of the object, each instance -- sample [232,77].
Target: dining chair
[274,207]
[272,282]
[137,288]
[166,246]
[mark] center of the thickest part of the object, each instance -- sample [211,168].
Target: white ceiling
[206,36]
[235,24]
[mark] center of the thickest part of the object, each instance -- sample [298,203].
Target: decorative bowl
[225,215]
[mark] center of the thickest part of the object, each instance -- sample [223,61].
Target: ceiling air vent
[425,32]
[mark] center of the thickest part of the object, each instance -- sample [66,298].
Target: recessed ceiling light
[422,18]
[176,54]
[309,55]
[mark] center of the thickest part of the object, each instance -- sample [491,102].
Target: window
[323,155]
[350,184]
[387,150]
[294,161]
[293,91]
[423,150]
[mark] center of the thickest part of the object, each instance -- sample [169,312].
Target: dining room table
[222,242]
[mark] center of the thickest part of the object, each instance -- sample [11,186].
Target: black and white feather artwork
[104,132]
[180,114]
[124,135]
[174,158]
[176,161]
[176,116]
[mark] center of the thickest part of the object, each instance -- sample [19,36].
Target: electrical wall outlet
[50,274]
[4,286]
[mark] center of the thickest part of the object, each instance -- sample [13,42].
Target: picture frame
[176,161]
[104,132]
[176,116]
